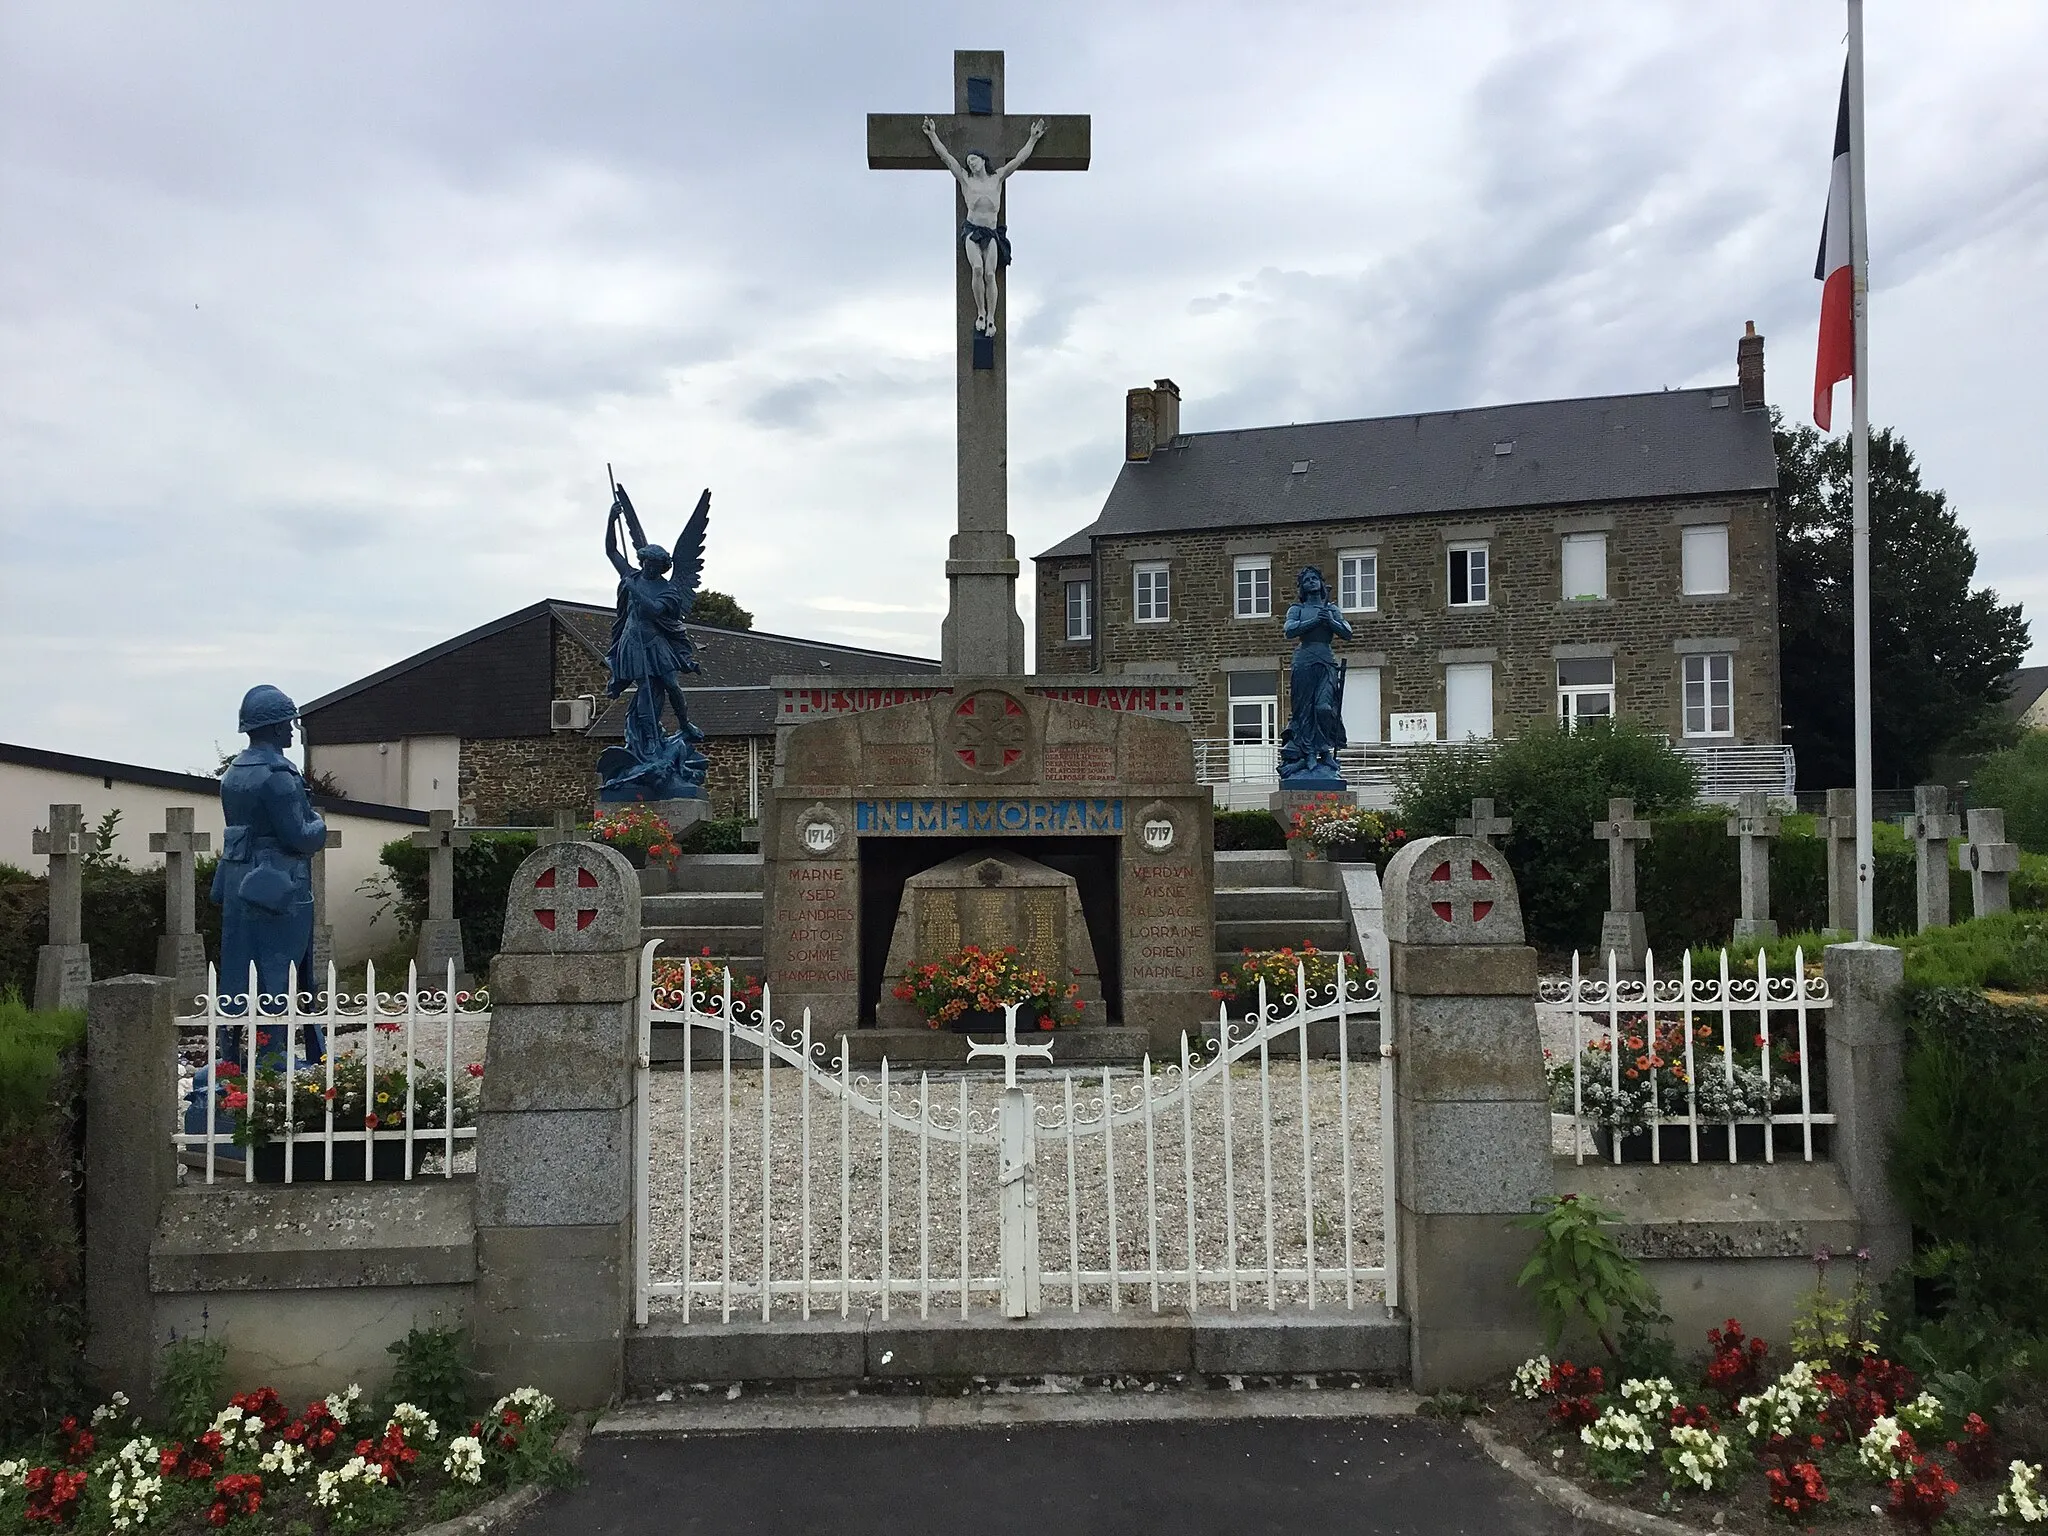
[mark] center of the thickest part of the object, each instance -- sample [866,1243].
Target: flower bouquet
[643,837]
[969,988]
[1345,833]
[1277,969]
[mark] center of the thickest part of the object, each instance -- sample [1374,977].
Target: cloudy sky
[318,323]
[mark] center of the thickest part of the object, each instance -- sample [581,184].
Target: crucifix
[1017,1192]
[980,147]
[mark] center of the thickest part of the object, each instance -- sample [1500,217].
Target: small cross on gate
[1009,1050]
[1449,885]
[557,896]
[1483,824]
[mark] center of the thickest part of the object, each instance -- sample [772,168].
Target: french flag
[1835,357]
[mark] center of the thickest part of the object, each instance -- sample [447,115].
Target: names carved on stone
[1081,762]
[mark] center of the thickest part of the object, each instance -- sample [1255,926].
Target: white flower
[464,1462]
[1529,1378]
[1646,1395]
[237,1429]
[417,1424]
[113,1408]
[342,1404]
[1696,1456]
[1923,1415]
[1778,1409]
[1881,1450]
[344,1482]
[11,1474]
[531,1402]
[132,1495]
[285,1459]
[2023,1500]
[1619,1430]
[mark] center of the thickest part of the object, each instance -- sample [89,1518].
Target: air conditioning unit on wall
[573,714]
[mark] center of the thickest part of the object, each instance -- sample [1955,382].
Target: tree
[720,611]
[1940,649]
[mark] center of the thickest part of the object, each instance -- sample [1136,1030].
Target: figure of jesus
[985,242]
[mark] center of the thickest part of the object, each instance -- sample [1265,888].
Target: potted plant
[1278,969]
[360,1101]
[968,989]
[1342,832]
[642,836]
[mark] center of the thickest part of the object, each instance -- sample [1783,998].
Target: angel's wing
[687,574]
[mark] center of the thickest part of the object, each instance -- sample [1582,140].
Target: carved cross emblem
[554,899]
[1449,887]
[989,731]
[1010,1051]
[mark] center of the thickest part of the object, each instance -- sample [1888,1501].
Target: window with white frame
[1585,689]
[1151,592]
[1585,567]
[1080,610]
[1253,575]
[1358,580]
[1468,576]
[1703,559]
[1710,695]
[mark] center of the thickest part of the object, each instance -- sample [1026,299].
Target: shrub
[715,835]
[2016,781]
[123,913]
[433,1373]
[1580,1273]
[1554,784]
[42,1300]
[483,876]
[1245,831]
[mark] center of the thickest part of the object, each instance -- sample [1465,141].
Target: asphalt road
[1186,1479]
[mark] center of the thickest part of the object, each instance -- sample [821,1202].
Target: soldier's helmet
[264,705]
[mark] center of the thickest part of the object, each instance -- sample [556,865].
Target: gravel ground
[1066,1226]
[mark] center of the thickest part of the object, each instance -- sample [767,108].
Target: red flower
[1976,1452]
[234,1098]
[239,1493]
[1735,1365]
[388,1027]
[78,1443]
[1796,1492]
[262,1404]
[370,1121]
[53,1495]
[1921,1497]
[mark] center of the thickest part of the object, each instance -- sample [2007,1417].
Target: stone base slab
[63,972]
[1367,1342]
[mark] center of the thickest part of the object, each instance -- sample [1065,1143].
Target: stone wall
[521,780]
[1414,632]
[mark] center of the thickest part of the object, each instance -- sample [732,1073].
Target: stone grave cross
[1838,826]
[440,935]
[1017,1182]
[1483,824]
[1621,927]
[1991,860]
[567,828]
[323,930]
[64,964]
[983,634]
[1755,827]
[179,950]
[1929,829]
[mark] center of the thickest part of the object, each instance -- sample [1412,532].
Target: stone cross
[1838,826]
[323,930]
[64,964]
[1755,827]
[1930,828]
[440,937]
[179,950]
[1990,859]
[1621,926]
[1483,824]
[983,634]
[567,828]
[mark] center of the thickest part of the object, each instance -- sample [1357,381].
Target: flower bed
[642,836]
[1657,1077]
[258,1468]
[982,981]
[1334,826]
[1749,1440]
[708,978]
[1283,970]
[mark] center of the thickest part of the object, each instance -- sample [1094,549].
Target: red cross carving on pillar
[1455,886]
[553,899]
[990,729]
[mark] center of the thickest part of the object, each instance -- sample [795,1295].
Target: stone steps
[714,902]
[698,872]
[1257,867]
[683,909]
[1278,902]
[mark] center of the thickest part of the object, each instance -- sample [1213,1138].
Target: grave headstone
[1930,829]
[440,936]
[323,930]
[64,964]
[992,899]
[1991,860]
[1755,828]
[1621,927]
[1838,826]
[1483,824]
[180,952]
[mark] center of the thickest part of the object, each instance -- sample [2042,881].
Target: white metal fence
[1726,1067]
[329,1086]
[779,1179]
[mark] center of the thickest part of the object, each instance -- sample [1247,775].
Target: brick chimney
[1151,419]
[1749,367]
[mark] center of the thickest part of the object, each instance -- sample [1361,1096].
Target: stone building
[503,724]
[1558,558]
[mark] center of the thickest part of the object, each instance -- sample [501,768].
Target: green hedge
[1245,831]
[123,911]
[42,1303]
[2016,781]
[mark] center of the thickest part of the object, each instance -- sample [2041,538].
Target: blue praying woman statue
[649,647]
[1315,720]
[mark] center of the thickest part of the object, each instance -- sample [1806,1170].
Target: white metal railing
[297,1101]
[1196,1183]
[1726,772]
[1688,1068]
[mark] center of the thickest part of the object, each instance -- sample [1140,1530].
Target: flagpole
[1859,280]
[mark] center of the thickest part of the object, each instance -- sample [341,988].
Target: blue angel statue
[1315,720]
[649,647]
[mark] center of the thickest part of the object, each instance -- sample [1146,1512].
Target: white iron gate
[775,1179]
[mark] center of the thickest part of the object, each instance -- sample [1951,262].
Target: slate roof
[1603,448]
[2028,684]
